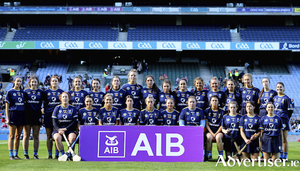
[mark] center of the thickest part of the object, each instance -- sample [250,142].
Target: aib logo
[217,46]
[47,45]
[120,45]
[168,45]
[111,144]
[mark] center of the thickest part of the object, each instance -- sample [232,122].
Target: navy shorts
[66,133]
[16,118]
[33,118]
[253,147]
[229,144]
[48,120]
[271,144]
[263,112]
[243,111]
[286,124]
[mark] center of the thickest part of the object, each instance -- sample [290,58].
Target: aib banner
[141,143]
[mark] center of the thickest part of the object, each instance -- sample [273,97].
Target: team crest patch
[84,114]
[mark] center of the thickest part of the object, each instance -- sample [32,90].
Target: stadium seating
[178,33]
[2,33]
[66,32]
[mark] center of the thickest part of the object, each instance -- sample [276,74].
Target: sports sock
[16,152]
[262,154]
[62,152]
[210,153]
[281,154]
[285,154]
[221,153]
[206,153]
[56,153]
[10,153]
[50,152]
[26,152]
[35,152]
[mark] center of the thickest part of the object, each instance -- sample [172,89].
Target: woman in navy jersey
[230,125]
[150,90]
[64,121]
[231,94]
[200,93]
[77,93]
[15,116]
[266,96]
[214,116]
[283,108]
[191,115]
[182,95]
[33,98]
[249,128]
[170,116]
[89,114]
[130,115]
[109,115]
[165,94]
[214,84]
[150,115]
[272,133]
[117,93]
[248,93]
[51,100]
[134,89]
[96,93]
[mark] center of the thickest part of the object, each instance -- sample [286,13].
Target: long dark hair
[262,91]
[227,90]
[111,83]
[96,79]
[154,87]
[167,81]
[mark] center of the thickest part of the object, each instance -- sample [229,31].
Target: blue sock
[56,153]
[50,152]
[62,152]
[262,154]
[16,152]
[221,153]
[206,154]
[210,153]
[285,154]
[10,153]
[281,154]
[26,152]
[35,152]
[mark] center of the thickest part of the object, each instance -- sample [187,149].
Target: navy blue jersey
[118,98]
[149,92]
[282,105]
[181,99]
[250,125]
[77,98]
[232,97]
[135,91]
[162,98]
[109,117]
[98,99]
[65,116]
[51,99]
[202,100]
[34,99]
[220,94]
[129,117]
[150,118]
[214,118]
[271,126]
[88,117]
[232,123]
[266,97]
[15,99]
[170,118]
[191,117]
[249,94]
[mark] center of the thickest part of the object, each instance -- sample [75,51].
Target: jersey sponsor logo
[129,119]
[214,120]
[169,122]
[20,99]
[77,99]
[53,99]
[33,97]
[90,119]
[64,116]
[250,126]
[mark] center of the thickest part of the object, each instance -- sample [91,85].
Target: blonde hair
[132,70]
[32,78]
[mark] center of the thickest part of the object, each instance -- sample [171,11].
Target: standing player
[150,115]
[200,93]
[150,90]
[266,96]
[283,108]
[51,100]
[231,94]
[191,115]
[165,94]
[89,114]
[134,89]
[15,115]
[130,115]
[182,95]
[214,116]
[77,93]
[230,125]
[249,128]
[117,93]
[33,98]
[214,84]
[96,94]
[109,115]
[170,116]
[248,93]
[272,133]
[64,121]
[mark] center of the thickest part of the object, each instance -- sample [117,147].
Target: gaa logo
[47,45]
[120,45]
[168,45]
[266,46]
[111,144]
[95,45]
[217,46]
[71,45]
[193,46]
[242,46]
[144,45]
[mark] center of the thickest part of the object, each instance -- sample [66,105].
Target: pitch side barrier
[141,143]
